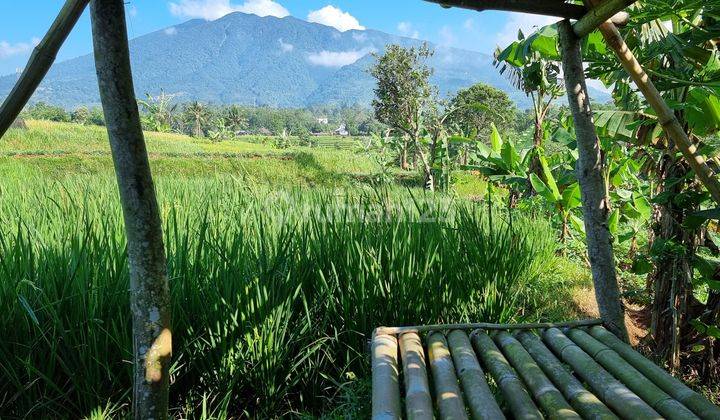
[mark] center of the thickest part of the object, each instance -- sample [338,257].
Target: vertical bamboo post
[42,58]
[149,291]
[666,116]
[592,185]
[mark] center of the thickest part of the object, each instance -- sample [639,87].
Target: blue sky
[23,23]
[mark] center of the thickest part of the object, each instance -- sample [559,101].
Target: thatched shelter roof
[567,370]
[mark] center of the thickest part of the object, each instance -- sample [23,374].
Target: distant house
[264,132]
[322,120]
[341,131]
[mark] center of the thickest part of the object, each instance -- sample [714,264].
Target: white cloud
[407,29]
[8,50]
[469,24]
[285,47]
[338,58]
[215,9]
[447,36]
[170,31]
[359,37]
[333,16]
[521,21]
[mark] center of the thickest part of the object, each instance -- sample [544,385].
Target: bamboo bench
[565,370]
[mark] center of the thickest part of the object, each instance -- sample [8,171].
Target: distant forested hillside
[262,61]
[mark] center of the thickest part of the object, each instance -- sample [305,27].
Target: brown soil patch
[637,318]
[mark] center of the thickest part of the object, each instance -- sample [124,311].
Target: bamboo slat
[584,402]
[631,377]
[611,391]
[678,390]
[544,392]
[385,379]
[518,399]
[477,393]
[418,401]
[446,374]
[448,396]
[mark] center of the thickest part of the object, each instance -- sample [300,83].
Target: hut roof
[569,370]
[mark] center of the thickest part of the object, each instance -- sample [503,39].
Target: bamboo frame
[40,61]
[540,7]
[598,15]
[666,116]
[531,376]
[487,326]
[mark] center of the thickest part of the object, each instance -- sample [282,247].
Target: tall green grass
[275,293]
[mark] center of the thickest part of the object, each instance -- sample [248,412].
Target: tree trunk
[404,155]
[671,281]
[149,291]
[592,186]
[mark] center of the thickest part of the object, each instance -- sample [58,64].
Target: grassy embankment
[276,287]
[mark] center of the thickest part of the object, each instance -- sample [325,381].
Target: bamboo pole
[611,391]
[548,8]
[149,289]
[385,378]
[42,58]
[447,392]
[678,390]
[631,377]
[475,388]
[597,15]
[545,393]
[520,403]
[488,326]
[583,401]
[595,202]
[666,116]
[418,401]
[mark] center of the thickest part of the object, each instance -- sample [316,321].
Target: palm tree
[196,117]
[235,119]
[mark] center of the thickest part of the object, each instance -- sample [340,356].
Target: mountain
[252,60]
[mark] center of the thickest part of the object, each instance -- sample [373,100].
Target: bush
[43,111]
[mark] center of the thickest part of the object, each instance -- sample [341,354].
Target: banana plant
[563,201]
[502,164]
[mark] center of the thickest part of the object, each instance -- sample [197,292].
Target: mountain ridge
[263,61]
